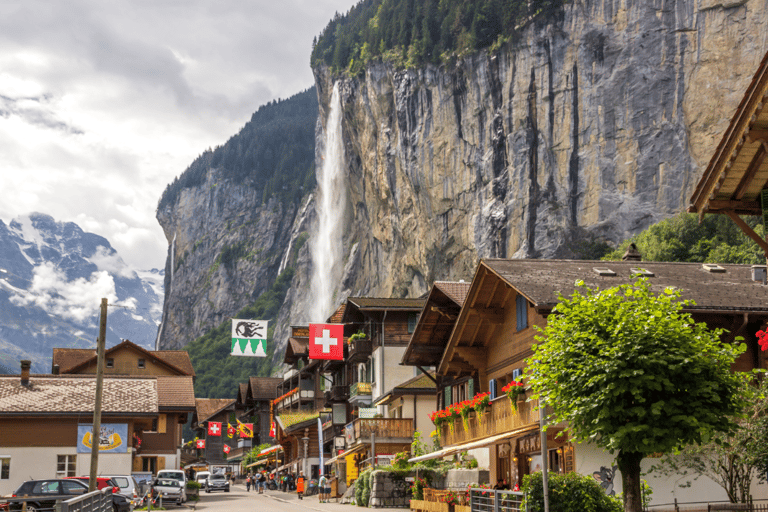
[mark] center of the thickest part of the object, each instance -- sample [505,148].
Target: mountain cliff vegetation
[409,33]
[273,152]
[682,238]
[218,373]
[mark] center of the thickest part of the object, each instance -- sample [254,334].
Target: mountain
[53,276]
[575,129]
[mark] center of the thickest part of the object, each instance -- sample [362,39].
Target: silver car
[217,483]
[169,490]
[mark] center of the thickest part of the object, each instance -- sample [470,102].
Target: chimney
[26,364]
[759,273]
[55,370]
[632,254]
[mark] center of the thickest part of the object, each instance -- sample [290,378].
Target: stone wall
[389,490]
[460,479]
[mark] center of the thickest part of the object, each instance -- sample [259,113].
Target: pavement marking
[301,504]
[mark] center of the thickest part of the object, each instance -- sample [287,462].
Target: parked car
[170,490]
[120,503]
[217,483]
[128,486]
[43,494]
[201,477]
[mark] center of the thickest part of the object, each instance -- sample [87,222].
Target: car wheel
[31,507]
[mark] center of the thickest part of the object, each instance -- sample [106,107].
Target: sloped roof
[76,394]
[264,388]
[337,315]
[540,281]
[738,170]
[421,382]
[386,303]
[435,324]
[72,359]
[242,394]
[176,392]
[208,407]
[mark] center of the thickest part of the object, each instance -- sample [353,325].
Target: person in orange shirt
[300,486]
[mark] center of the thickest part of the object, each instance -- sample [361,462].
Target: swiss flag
[200,444]
[214,428]
[226,448]
[326,341]
[272,429]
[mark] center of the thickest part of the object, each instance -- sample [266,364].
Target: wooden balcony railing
[383,428]
[498,418]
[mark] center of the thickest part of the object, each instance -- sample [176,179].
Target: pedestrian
[300,486]
[323,483]
[262,482]
[248,483]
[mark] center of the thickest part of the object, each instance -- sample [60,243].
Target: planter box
[192,492]
[429,506]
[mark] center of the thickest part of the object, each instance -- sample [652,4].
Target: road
[238,500]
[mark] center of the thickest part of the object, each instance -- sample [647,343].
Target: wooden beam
[748,231]
[754,135]
[723,205]
[748,176]
[476,357]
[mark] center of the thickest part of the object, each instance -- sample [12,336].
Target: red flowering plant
[443,416]
[762,339]
[453,498]
[513,390]
[480,404]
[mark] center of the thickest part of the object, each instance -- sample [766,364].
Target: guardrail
[489,500]
[96,501]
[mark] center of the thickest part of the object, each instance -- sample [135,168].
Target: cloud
[77,300]
[110,262]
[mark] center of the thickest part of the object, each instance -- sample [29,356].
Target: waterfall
[331,200]
[167,292]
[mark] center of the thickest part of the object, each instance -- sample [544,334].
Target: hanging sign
[249,338]
[200,444]
[326,341]
[226,448]
[113,438]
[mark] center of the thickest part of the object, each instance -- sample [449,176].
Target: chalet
[161,436]
[216,410]
[46,424]
[492,336]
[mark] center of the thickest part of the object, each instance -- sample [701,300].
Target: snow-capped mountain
[53,276]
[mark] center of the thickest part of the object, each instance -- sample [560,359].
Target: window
[413,318]
[110,362]
[5,468]
[142,363]
[522,312]
[65,465]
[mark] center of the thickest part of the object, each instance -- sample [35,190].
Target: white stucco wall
[590,459]
[388,371]
[36,463]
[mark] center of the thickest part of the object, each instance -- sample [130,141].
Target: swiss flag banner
[214,428]
[326,341]
[200,444]
[226,449]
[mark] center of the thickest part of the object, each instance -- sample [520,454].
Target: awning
[270,449]
[472,445]
[258,463]
[342,455]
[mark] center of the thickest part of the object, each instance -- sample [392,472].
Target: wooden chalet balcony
[359,350]
[384,428]
[498,418]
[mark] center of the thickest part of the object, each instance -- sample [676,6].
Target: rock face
[593,126]
[589,128]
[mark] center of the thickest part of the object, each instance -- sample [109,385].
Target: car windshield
[172,474]
[216,477]
[166,482]
[121,481]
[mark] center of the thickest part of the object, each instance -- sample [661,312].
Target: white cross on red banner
[214,428]
[326,341]
[226,448]
[200,444]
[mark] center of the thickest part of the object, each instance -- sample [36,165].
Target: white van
[175,474]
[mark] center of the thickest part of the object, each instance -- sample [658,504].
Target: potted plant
[193,489]
[516,392]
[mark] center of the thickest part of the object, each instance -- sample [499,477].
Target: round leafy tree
[634,374]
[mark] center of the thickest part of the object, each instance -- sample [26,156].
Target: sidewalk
[313,502]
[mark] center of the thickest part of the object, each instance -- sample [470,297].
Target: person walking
[322,484]
[248,483]
[262,482]
[300,486]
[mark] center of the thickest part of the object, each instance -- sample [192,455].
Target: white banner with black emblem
[249,338]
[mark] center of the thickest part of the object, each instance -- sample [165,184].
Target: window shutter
[447,396]
[521,312]
[471,388]
[161,422]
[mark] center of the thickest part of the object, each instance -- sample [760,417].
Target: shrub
[193,485]
[567,493]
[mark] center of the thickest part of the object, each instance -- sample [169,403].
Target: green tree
[634,374]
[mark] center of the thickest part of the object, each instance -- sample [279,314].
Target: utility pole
[96,437]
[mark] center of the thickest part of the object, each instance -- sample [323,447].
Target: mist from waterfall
[330,203]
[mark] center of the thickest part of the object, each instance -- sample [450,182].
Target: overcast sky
[104,102]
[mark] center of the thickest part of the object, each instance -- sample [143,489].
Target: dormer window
[142,364]
[110,362]
[636,271]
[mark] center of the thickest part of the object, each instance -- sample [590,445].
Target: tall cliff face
[593,126]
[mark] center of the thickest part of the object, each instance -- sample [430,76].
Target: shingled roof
[175,392]
[368,303]
[209,407]
[70,360]
[264,388]
[540,281]
[49,394]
